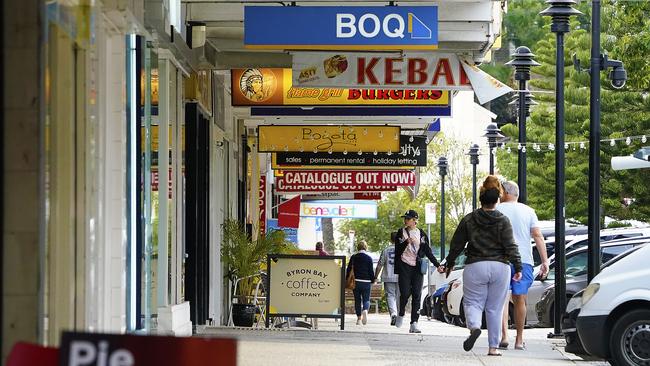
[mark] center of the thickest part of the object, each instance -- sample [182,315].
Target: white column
[163,180]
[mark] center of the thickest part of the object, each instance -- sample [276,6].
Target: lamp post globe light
[522,62]
[493,134]
[560,12]
[473,159]
[442,165]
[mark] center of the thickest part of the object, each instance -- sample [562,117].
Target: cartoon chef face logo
[256,85]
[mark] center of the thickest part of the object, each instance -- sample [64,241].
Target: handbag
[350,280]
[424,265]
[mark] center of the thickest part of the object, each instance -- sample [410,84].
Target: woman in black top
[485,236]
[364,276]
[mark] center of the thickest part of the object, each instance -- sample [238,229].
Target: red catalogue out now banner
[344,180]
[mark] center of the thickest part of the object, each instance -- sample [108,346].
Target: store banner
[328,138]
[305,284]
[341,196]
[289,213]
[412,152]
[343,209]
[409,71]
[262,205]
[273,87]
[96,349]
[341,28]
[343,180]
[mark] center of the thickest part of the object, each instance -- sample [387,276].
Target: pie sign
[93,349]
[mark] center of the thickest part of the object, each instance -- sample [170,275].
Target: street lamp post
[473,159]
[442,165]
[560,11]
[618,75]
[522,62]
[493,134]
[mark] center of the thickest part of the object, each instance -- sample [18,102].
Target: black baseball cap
[410,214]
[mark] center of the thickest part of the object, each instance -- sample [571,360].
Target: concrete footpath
[377,343]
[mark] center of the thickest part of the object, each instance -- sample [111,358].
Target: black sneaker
[469,342]
[393,319]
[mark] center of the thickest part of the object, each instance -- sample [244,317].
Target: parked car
[570,316]
[614,321]
[576,278]
[576,275]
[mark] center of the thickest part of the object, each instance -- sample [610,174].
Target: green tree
[624,113]
[457,199]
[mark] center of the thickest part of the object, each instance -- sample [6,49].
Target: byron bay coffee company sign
[412,152]
[341,28]
[304,285]
[346,139]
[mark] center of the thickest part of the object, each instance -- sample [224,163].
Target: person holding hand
[411,246]
[487,239]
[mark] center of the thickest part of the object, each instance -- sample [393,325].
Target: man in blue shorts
[524,227]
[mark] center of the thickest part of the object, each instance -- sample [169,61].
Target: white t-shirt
[410,254]
[523,220]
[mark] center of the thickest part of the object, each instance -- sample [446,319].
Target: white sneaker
[364,317]
[398,321]
[414,328]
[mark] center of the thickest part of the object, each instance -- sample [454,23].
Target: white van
[614,321]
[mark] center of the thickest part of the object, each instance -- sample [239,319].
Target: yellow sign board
[304,284]
[273,87]
[346,139]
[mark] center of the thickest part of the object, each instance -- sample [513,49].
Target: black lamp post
[473,159]
[493,134]
[618,75]
[442,165]
[522,62]
[560,11]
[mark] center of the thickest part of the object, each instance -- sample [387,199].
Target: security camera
[617,75]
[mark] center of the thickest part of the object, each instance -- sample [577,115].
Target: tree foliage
[458,192]
[625,36]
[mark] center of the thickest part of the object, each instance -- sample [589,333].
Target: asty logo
[392,25]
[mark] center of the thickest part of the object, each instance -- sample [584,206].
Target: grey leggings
[485,286]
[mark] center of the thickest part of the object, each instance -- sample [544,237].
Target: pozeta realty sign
[339,209]
[328,138]
[410,72]
[412,152]
[341,28]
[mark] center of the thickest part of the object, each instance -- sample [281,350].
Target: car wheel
[449,319]
[629,341]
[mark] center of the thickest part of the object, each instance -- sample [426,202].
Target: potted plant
[243,258]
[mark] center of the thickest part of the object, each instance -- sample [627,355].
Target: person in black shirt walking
[364,276]
[411,246]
